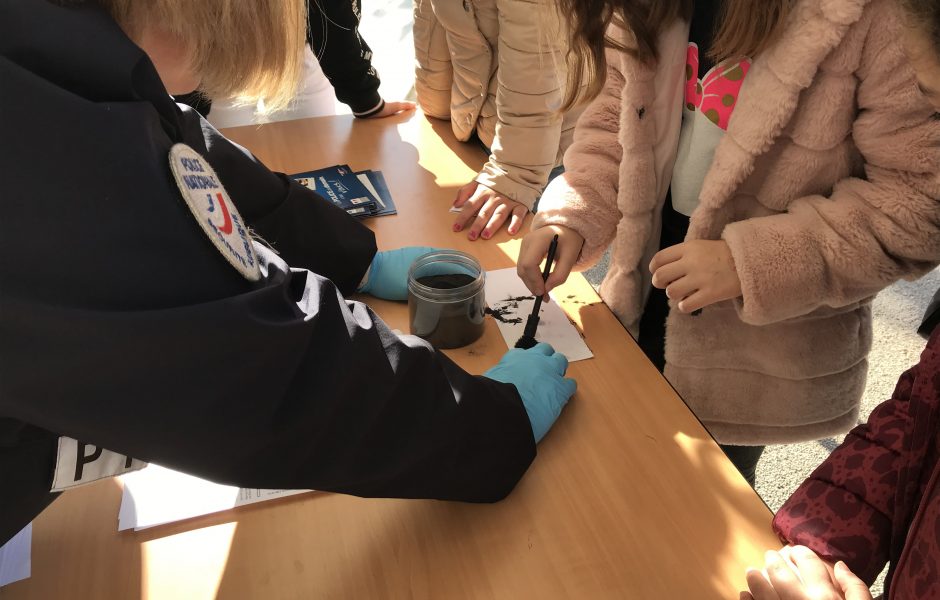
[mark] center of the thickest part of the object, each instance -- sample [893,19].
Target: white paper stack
[157,495]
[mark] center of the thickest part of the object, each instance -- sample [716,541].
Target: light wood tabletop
[629,497]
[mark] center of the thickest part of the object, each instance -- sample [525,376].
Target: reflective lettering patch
[214,210]
[79,463]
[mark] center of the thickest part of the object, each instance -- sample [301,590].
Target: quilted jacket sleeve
[434,73]
[852,507]
[530,87]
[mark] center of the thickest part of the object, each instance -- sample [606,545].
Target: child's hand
[797,573]
[696,273]
[393,108]
[490,209]
[534,250]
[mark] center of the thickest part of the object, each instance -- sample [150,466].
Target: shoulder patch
[214,210]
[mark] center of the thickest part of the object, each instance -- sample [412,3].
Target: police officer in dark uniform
[138,315]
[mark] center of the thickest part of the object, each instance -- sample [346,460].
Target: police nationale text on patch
[214,210]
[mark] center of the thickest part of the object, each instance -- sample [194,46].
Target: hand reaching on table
[535,248]
[485,211]
[797,573]
[392,108]
[539,376]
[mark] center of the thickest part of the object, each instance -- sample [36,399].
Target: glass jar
[446,304]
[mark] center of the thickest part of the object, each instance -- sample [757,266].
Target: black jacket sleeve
[287,216]
[121,325]
[345,57]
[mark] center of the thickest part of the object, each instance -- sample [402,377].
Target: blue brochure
[379,189]
[339,185]
[361,194]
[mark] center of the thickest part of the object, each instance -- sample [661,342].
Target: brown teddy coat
[825,188]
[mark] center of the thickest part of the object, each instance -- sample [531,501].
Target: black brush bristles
[528,336]
[532,323]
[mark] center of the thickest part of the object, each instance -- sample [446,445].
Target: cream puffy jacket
[825,188]
[497,68]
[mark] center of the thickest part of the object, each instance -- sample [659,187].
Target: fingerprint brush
[532,322]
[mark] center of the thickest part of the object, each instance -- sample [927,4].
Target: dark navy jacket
[123,326]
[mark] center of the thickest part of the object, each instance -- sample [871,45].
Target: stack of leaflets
[362,194]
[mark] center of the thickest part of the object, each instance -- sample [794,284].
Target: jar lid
[446,276]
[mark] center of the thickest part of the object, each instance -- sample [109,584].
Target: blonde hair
[250,49]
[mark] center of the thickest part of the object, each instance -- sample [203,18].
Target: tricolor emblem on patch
[214,210]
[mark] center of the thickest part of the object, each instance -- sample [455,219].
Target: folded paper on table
[510,303]
[157,495]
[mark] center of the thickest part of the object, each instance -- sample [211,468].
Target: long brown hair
[926,15]
[747,28]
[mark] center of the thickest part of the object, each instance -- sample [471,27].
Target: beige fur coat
[825,188]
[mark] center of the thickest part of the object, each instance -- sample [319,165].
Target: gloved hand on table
[388,275]
[538,374]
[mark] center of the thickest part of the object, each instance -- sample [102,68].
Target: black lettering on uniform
[127,462]
[83,459]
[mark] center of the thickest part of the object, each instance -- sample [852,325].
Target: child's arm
[434,73]
[346,58]
[585,197]
[847,510]
[868,233]
[531,83]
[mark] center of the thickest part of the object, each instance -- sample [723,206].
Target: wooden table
[629,497]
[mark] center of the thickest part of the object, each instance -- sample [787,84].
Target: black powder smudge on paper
[504,314]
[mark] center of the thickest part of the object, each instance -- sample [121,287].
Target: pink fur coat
[825,188]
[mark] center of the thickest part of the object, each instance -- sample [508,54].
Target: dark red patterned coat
[876,499]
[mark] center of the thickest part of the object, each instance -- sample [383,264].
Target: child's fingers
[518,217]
[528,265]
[668,273]
[853,588]
[565,257]
[465,193]
[782,576]
[482,218]
[681,288]
[666,256]
[470,211]
[760,588]
[811,568]
[693,302]
[500,214]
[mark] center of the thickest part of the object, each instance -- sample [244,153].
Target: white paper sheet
[15,557]
[157,495]
[511,303]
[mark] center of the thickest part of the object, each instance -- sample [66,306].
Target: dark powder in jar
[446,282]
[447,324]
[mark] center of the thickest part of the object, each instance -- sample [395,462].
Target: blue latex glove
[538,374]
[388,275]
